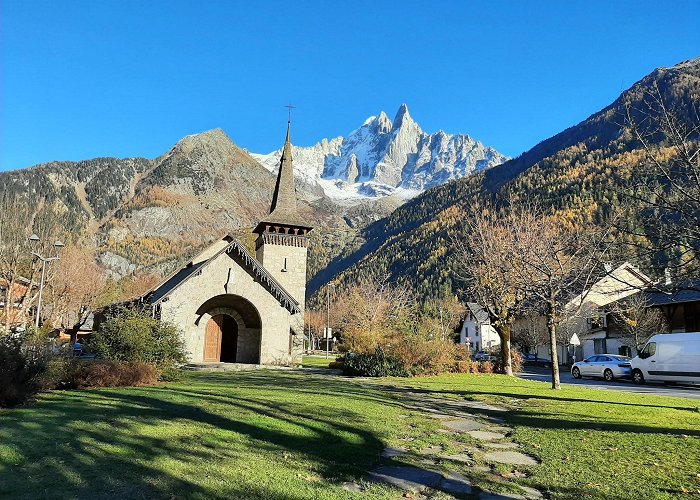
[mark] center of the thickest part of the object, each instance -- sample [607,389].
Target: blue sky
[81,79]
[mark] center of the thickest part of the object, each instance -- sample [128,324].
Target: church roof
[194,267]
[283,209]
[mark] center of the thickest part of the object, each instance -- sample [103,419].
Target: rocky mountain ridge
[151,213]
[385,157]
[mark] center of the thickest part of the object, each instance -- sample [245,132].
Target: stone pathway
[426,471]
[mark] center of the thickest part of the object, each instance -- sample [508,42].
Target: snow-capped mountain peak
[383,157]
[402,115]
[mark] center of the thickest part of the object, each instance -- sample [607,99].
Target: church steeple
[283,216]
[284,200]
[281,246]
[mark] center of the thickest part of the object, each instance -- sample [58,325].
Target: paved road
[541,375]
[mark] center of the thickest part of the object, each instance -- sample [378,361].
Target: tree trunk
[552,328]
[505,350]
[7,308]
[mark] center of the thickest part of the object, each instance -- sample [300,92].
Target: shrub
[424,356]
[463,366]
[92,374]
[58,374]
[486,367]
[132,336]
[171,375]
[393,333]
[23,359]
[375,364]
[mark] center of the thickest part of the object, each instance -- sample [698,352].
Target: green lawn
[593,443]
[289,435]
[317,362]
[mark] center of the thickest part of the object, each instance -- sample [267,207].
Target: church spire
[283,213]
[284,200]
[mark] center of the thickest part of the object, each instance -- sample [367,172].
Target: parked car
[530,359]
[669,357]
[483,356]
[608,366]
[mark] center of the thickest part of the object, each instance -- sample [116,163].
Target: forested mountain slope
[580,172]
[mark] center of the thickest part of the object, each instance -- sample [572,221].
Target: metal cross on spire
[289,110]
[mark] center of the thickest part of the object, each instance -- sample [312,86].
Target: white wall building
[477,332]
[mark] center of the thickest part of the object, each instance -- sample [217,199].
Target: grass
[288,435]
[592,443]
[316,361]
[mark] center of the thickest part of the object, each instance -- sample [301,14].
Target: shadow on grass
[109,443]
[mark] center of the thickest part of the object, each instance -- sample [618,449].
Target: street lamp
[58,244]
[328,316]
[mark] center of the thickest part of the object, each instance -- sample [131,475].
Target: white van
[669,357]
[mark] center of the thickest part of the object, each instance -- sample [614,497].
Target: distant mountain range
[384,158]
[355,191]
[153,213]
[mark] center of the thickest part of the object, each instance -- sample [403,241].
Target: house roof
[21,280]
[479,312]
[623,281]
[680,293]
[233,247]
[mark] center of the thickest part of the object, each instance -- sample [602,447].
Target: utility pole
[57,245]
[327,333]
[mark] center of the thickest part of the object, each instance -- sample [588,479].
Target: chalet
[476,331]
[584,329]
[18,293]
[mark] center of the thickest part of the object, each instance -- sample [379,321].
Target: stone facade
[284,257]
[227,284]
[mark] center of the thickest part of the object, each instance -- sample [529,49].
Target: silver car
[608,366]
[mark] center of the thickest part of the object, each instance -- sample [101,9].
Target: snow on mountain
[382,158]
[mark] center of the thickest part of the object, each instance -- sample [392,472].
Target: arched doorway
[231,330]
[221,339]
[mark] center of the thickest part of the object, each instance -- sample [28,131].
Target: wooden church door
[212,339]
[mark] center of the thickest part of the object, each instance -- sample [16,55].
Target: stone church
[234,307]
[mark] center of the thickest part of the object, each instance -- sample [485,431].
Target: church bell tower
[281,246]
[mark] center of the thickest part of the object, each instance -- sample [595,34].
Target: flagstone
[485,435]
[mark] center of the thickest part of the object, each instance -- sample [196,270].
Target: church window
[284,269]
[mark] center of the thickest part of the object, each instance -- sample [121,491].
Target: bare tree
[529,332]
[444,315]
[77,284]
[634,321]
[556,263]
[485,260]
[139,283]
[663,219]
[14,251]
[370,313]
[315,321]
[17,222]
